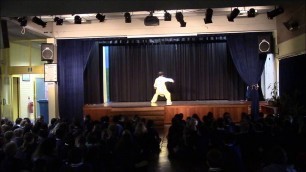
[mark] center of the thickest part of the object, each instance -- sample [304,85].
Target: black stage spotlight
[251,12]
[275,12]
[23,21]
[39,21]
[58,21]
[127,17]
[183,23]
[77,20]
[180,18]
[233,15]
[291,25]
[208,16]
[167,16]
[100,17]
[151,20]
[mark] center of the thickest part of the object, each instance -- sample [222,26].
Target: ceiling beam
[17,8]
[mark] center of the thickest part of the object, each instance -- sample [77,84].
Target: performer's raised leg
[154,99]
[168,97]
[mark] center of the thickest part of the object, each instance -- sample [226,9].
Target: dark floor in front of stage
[162,163]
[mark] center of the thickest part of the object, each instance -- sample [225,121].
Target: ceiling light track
[153,18]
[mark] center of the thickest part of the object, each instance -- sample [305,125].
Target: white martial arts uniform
[161,89]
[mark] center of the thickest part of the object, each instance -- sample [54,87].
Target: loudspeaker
[265,44]
[4,39]
[47,52]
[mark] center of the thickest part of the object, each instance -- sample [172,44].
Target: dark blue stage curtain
[93,77]
[73,56]
[201,67]
[248,62]
[292,84]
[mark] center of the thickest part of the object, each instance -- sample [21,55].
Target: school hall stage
[162,113]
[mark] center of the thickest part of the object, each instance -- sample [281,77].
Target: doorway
[40,93]
[16,98]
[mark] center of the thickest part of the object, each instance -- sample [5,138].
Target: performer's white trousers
[157,93]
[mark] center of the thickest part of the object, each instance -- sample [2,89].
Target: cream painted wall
[292,47]
[24,54]
[5,109]
[52,100]
[19,55]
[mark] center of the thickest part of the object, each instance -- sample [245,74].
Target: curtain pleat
[93,77]
[201,70]
[72,59]
[249,63]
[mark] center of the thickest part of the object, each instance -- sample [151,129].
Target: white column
[52,87]
[269,75]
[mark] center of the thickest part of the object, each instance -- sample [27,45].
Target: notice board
[50,70]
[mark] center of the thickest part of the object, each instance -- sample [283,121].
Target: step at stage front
[162,113]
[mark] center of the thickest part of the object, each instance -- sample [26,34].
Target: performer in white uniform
[161,89]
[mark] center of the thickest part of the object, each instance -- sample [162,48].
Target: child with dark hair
[277,160]
[10,162]
[154,139]
[214,161]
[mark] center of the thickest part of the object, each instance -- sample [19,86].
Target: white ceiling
[17,8]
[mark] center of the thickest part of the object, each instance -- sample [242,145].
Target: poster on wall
[25,77]
[50,70]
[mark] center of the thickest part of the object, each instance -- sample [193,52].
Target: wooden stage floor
[162,113]
[174,103]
